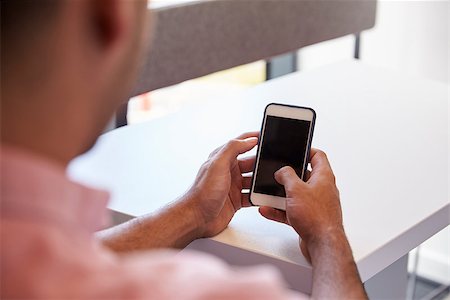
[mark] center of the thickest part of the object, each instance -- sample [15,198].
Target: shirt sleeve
[192,275]
[44,262]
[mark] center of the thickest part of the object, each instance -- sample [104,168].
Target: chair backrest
[197,38]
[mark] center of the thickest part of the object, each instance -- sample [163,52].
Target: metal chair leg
[356,54]
[413,279]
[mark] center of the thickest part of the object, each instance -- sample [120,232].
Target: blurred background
[411,36]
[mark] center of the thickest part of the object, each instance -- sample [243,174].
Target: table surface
[160,4]
[386,136]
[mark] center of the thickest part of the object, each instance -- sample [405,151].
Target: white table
[386,136]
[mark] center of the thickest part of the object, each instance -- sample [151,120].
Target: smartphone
[285,140]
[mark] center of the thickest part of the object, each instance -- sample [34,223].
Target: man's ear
[112,21]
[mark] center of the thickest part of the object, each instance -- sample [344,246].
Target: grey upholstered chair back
[201,37]
[197,38]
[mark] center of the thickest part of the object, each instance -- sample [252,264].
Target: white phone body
[285,139]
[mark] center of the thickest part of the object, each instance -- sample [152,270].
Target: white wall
[411,37]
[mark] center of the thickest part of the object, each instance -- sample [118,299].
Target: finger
[273,214]
[247,135]
[215,152]
[243,136]
[235,147]
[247,164]
[321,167]
[245,202]
[319,161]
[246,182]
[287,177]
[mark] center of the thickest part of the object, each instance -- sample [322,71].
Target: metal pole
[281,65]
[121,115]
[357,45]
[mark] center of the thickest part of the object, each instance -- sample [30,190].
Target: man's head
[65,68]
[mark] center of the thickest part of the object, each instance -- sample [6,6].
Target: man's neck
[39,150]
[38,131]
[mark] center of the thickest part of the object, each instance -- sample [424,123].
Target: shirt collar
[33,187]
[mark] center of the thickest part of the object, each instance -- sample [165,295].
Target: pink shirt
[48,248]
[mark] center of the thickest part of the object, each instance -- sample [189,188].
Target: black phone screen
[284,143]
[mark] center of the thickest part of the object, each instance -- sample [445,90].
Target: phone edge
[313,123]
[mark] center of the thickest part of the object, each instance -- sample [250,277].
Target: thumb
[235,147]
[287,177]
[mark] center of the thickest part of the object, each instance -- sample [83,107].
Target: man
[66,67]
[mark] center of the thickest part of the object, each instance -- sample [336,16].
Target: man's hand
[217,191]
[204,211]
[313,210]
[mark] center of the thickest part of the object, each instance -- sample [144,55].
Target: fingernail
[279,170]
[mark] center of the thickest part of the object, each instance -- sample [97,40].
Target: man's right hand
[313,209]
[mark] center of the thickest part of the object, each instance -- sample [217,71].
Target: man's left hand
[217,194]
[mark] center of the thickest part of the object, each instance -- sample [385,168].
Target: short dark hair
[19,13]
[22,19]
